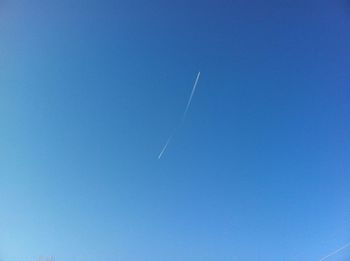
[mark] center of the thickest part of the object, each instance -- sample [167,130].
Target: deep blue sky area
[91,90]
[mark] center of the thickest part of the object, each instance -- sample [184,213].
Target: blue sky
[90,91]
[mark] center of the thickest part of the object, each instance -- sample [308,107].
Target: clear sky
[90,91]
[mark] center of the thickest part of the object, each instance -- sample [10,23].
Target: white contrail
[190,99]
[165,146]
[335,252]
[183,117]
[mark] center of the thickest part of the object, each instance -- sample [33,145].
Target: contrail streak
[335,252]
[183,117]
[191,96]
[165,146]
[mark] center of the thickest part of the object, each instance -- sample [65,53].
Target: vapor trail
[183,117]
[191,96]
[165,146]
[335,252]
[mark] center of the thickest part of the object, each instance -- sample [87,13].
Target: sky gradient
[90,91]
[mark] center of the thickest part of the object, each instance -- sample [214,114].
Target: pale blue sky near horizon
[90,91]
